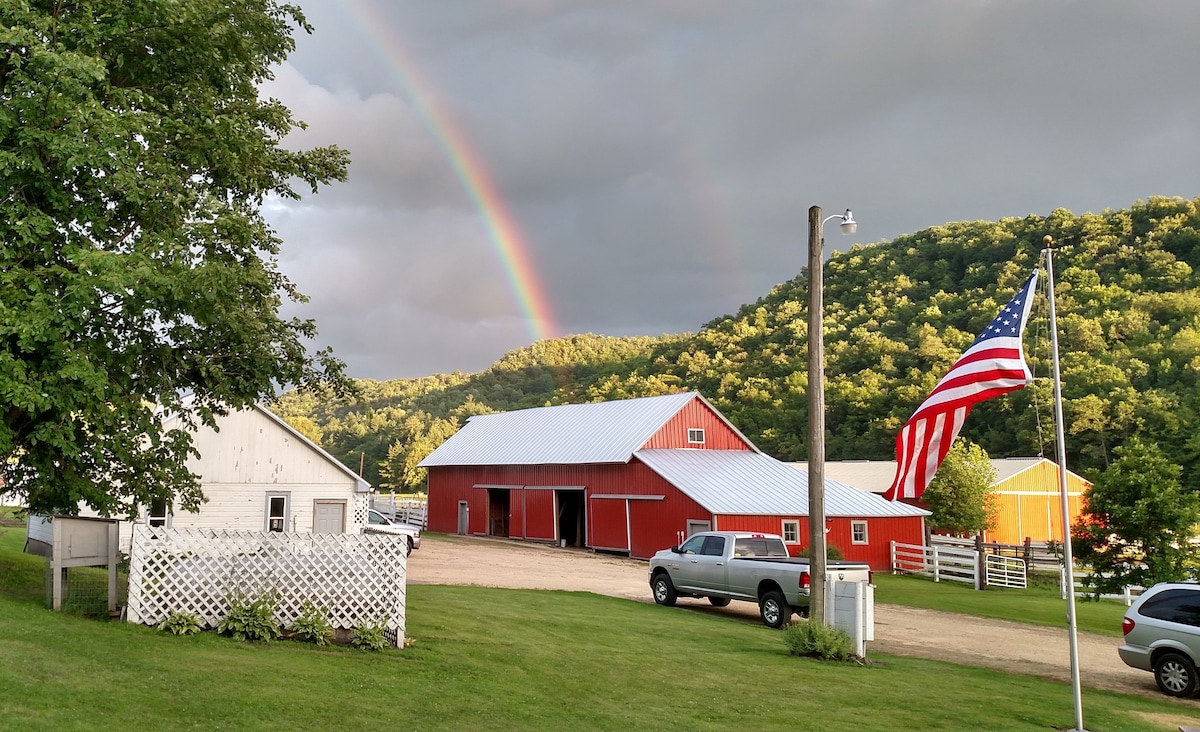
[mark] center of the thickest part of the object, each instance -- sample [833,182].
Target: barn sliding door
[609,519]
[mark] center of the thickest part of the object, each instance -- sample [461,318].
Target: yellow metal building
[1027,499]
[1028,502]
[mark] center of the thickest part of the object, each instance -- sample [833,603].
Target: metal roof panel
[751,483]
[566,434]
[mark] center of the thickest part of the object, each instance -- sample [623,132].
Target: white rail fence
[357,579]
[954,559]
[1127,595]
[1002,571]
[938,562]
[413,511]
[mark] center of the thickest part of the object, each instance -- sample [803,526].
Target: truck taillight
[870,576]
[805,580]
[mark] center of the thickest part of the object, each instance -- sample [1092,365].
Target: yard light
[816,407]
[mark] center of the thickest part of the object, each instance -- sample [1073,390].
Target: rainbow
[500,224]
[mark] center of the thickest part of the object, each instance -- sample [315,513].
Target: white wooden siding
[251,456]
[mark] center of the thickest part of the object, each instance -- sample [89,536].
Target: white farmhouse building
[259,474]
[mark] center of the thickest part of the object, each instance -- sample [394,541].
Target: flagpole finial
[1048,240]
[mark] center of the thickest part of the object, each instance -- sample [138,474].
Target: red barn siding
[607,524]
[654,523]
[881,532]
[657,521]
[540,514]
[717,434]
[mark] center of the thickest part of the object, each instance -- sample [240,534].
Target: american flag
[993,365]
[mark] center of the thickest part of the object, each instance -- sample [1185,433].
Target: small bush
[180,622]
[817,640]
[831,552]
[369,636]
[251,619]
[313,625]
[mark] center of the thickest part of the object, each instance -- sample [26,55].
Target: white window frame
[287,510]
[794,525]
[857,527]
[695,435]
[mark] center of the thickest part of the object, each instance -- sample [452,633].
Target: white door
[329,517]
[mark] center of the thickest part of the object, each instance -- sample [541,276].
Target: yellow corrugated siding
[1028,505]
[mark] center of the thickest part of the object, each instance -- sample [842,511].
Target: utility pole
[816,418]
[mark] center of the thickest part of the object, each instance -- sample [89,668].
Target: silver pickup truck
[740,565]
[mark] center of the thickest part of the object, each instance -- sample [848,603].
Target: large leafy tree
[136,271]
[1137,522]
[961,495]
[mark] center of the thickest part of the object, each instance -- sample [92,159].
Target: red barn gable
[636,476]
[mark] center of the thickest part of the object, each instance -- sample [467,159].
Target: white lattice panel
[361,504]
[357,578]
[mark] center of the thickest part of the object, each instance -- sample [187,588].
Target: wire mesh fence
[85,590]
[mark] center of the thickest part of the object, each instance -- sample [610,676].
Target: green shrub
[818,641]
[831,552]
[180,622]
[369,636]
[251,619]
[312,626]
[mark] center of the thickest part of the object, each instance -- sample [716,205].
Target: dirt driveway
[1024,649]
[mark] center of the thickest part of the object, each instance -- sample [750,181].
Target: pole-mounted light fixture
[849,225]
[816,407]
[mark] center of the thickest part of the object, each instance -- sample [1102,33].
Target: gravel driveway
[1025,649]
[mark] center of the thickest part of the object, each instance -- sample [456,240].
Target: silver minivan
[1162,634]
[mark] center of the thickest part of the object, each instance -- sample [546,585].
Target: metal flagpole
[1068,560]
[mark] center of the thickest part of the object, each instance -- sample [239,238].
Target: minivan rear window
[1176,606]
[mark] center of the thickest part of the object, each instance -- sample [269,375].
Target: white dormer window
[695,436]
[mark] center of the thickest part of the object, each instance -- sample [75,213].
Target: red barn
[637,476]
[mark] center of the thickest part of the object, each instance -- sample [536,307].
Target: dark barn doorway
[497,512]
[572,528]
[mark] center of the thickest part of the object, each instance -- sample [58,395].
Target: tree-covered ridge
[897,316]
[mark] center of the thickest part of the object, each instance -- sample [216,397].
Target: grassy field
[504,659]
[1036,606]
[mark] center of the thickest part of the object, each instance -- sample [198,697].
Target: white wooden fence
[1127,595]
[938,562]
[957,564]
[356,578]
[413,511]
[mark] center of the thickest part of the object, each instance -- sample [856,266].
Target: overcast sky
[534,168]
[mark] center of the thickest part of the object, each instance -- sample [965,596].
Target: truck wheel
[1176,675]
[718,601]
[664,591]
[774,610]
[410,545]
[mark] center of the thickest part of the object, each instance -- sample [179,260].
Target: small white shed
[260,474]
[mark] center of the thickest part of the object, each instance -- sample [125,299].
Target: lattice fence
[357,578]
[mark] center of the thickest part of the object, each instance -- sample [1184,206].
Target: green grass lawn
[1036,605]
[505,659]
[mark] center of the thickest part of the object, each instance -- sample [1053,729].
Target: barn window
[791,532]
[158,514]
[695,436]
[858,532]
[277,511]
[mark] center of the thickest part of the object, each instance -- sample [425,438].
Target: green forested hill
[897,316]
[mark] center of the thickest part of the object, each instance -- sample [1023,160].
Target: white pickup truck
[740,565]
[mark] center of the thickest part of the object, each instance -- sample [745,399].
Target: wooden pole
[816,419]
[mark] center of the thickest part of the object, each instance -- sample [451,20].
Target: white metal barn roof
[751,483]
[567,434]
[876,476]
